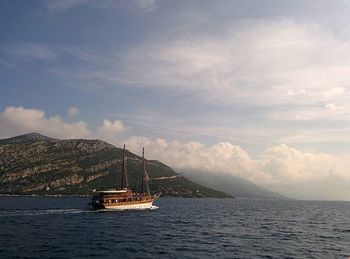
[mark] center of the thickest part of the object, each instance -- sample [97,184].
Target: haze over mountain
[230,184]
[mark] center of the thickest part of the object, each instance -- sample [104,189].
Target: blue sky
[266,83]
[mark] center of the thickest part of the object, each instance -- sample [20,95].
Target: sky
[256,89]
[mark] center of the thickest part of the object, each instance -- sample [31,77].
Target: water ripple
[179,228]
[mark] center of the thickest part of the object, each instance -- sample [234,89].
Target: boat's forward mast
[124,198]
[144,174]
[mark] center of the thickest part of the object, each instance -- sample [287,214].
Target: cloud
[62,5]
[18,120]
[306,175]
[30,51]
[147,5]
[333,107]
[280,168]
[254,62]
[325,136]
[275,165]
[222,157]
[126,6]
[56,6]
[288,165]
[73,111]
[110,130]
[329,112]
[334,92]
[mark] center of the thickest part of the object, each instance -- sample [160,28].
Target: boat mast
[124,174]
[144,174]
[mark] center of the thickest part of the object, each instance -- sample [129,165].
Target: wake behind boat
[125,198]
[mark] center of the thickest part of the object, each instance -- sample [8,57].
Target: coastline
[44,195]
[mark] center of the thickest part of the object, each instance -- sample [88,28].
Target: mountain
[232,185]
[36,164]
[26,138]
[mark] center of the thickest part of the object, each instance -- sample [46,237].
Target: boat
[124,198]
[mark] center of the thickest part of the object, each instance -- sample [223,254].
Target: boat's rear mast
[124,178]
[144,186]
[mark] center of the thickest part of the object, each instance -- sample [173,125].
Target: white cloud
[275,165]
[332,107]
[288,165]
[30,51]
[73,111]
[18,120]
[146,4]
[254,62]
[324,136]
[334,92]
[110,130]
[56,6]
[62,5]
[194,155]
[279,168]
[328,111]
[306,175]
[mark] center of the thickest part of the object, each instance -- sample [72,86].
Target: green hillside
[36,164]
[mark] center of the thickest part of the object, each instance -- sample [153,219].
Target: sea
[65,227]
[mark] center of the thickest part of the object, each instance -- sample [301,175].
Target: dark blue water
[181,228]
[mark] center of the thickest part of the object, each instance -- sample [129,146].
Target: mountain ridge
[36,164]
[25,138]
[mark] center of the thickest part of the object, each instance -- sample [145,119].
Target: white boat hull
[137,206]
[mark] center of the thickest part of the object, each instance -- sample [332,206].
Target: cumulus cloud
[306,175]
[275,165]
[110,130]
[280,168]
[73,111]
[19,120]
[288,165]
